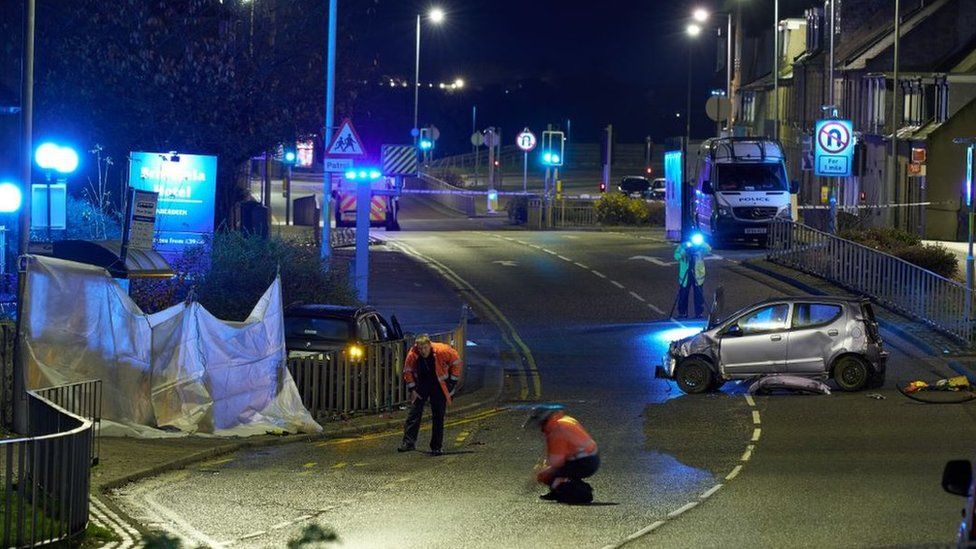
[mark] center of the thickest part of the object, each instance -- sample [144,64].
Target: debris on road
[770,383]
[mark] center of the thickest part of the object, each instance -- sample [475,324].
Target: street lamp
[436,16]
[702,15]
[693,31]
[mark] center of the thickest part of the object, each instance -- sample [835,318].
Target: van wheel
[694,376]
[851,373]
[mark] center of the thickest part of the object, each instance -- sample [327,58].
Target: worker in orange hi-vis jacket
[431,372]
[571,455]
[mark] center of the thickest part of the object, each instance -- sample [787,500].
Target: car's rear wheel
[694,376]
[851,373]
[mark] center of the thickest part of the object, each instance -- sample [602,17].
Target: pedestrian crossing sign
[345,142]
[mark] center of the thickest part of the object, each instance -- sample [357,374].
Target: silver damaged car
[816,337]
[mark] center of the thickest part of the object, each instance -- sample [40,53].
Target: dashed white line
[708,493]
[755,418]
[686,507]
[549,251]
[750,401]
[734,473]
[654,308]
[617,284]
[748,453]
[636,296]
[253,535]
[646,530]
[564,258]
[756,434]
[599,274]
[580,265]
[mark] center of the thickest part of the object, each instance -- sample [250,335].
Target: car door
[814,329]
[756,342]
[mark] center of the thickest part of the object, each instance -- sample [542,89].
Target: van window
[806,315]
[750,177]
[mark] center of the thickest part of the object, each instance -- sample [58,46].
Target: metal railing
[46,477]
[332,384]
[448,195]
[944,304]
[561,213]
[81,399]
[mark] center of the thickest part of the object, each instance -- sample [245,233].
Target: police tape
[874,206]
[467,193]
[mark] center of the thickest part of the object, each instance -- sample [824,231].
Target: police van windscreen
[750,177]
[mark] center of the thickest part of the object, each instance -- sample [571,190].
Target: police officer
[690,256]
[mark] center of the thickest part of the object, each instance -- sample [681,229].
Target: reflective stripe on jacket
[566,440]
[447,366]
[684,256]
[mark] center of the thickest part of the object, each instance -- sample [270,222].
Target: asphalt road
[678,471]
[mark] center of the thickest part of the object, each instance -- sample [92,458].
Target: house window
[815,25]
[913,109]
[941,99]
[876,92]
[749,106]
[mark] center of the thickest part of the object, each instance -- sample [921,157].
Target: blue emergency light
[367,174]
[697,239]
[426,144]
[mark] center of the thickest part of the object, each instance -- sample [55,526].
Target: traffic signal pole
[326,247]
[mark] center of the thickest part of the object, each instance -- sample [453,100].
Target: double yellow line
[531,382]
[462,421]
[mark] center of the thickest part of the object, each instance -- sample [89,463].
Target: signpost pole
[525,172]
[326,246]
[361,272]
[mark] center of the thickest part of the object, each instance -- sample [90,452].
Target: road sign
[142,222]
[340,165]
[833,148]
[477,139]
[399,160]
[490,137]
[434,132]
[718,108]
[526,140]
[345,142]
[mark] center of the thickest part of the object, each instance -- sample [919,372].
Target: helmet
[538,416]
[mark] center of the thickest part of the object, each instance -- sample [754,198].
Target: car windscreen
[750,177]
[317,329]
[634,185]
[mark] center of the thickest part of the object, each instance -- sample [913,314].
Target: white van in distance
[741,185]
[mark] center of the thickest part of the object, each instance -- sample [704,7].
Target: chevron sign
[399,160]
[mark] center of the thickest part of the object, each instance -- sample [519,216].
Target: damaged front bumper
[665,370]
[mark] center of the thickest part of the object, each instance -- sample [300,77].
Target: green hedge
[617,209]
[907,246]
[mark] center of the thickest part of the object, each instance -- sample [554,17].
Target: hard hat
[538,416]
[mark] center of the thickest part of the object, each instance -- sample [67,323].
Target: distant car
[657,188]
[635,186]
[816,337]
[957,479]
[315,329]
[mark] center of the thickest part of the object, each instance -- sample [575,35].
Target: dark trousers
[578,468]
[438,408]
[683,297]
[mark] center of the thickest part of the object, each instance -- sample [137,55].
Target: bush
[617,209]
[936,258]
[518,210]
[230,273]
[887,239]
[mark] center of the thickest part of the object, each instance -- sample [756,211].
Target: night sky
[545,61]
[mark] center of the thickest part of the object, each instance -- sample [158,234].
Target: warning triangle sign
[345,142]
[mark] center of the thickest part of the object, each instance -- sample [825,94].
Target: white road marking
[748,453]
[581,266]
[756,434]
[655,308]
[506,263]
[708,493]
[734,473]
[655,260]
[599,274]
[617,284]
[636,296]
[750,401]
[253,535]
[686,507]
[549,251]
[755,417]
[564,258]
[645,531]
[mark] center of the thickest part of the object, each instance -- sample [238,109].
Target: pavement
[581,318]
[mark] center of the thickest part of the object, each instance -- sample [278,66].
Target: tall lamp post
[435,16]
[330,54]
[693,31]
[702,15]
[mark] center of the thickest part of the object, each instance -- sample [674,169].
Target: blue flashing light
[969,175]
[351,174]
[50,156]
[426,144]
[547,158]
[290,157]
[363,174]
[697,239]
[492,195]
[10,197]
[374,174]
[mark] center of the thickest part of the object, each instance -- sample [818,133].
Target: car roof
[328,311]
[815,299]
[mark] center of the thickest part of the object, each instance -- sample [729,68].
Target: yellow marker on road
[309,465]
[365,438]
[340,465]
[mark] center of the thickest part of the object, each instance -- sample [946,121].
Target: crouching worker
[571,455]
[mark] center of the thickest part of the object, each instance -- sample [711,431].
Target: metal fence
[46,477]
[332,384]
[445,194]
[81,399]
[944,304]
[561,213]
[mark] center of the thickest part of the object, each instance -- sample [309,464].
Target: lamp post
[776,70]
[702,15]
[693,31]
[436,16]
[330,53]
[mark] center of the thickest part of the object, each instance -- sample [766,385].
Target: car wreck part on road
[779,382]
[938,393]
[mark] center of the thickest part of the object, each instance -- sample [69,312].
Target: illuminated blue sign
[833,148]
[187,185]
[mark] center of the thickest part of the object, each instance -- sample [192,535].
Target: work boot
[406,447]
[551,496]
[436,452]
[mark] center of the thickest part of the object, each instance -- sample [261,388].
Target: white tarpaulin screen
[179,368]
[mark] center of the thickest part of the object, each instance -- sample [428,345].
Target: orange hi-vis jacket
[447,365]
[566,440]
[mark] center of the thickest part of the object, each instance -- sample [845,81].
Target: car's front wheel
[851,373]
[694,376]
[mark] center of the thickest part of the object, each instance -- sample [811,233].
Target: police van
[741,186]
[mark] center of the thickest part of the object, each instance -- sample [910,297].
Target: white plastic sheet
[179,369]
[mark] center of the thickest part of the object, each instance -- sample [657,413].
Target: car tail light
[603,187]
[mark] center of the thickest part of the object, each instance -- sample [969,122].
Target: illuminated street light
[10,197]
[693,30]
[436,16]
[459,83]
[700,15]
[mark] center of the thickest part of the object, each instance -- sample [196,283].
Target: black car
[313,329]
[635,186]
[657,189]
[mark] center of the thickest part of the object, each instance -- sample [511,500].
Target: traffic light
[290,156]
[553,147]
[426,141]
